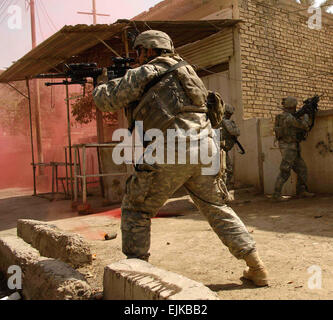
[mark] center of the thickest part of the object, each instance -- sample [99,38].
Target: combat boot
[277,197]
[256,271]
[306,194]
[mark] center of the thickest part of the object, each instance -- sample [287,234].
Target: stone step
[134,279]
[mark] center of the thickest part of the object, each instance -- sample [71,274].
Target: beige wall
[246,169]
[318,154]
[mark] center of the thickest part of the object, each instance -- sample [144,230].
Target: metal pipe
[66,163]
[75,175]
[84,188]
[69,141]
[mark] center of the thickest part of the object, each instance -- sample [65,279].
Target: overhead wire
[293,12]
[39,6]
[38,18]
[48,17]
[6,13]
[3,6]
[3,10]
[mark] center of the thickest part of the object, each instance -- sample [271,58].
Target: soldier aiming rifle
[290,129]
[176,100]
[79,72]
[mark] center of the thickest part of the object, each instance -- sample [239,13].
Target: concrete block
[51,279]
[14,251]
[54,243]
[134,279]
[42,278]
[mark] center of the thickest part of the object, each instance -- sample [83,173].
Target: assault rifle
[79,72]
[234,138]
[310,107]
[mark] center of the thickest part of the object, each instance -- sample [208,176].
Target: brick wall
[282,56]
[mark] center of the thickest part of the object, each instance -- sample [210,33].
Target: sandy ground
[291,237]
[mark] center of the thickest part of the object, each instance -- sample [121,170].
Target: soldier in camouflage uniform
[177,101]
[289,132]
[229,129]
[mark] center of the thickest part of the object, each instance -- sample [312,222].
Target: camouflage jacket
[229,129]
[162,105]
[288,129]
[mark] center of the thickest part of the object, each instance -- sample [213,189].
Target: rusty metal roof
[83,43]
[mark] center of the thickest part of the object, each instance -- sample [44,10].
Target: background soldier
[229,129]
[177,101]
[289,132]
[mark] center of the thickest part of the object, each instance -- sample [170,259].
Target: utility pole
[36,93]
[93,13]
[99,116]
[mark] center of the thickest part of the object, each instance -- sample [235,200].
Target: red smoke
[15,145]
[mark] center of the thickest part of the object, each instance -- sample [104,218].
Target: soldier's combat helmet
[289,103]
[154,39]
[229,109]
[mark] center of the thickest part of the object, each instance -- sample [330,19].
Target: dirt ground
[291,237]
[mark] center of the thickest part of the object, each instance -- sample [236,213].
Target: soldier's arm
[120,93]
[231,127]
[302,123]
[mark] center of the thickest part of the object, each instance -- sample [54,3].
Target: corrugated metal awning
[211,51]
[83,43]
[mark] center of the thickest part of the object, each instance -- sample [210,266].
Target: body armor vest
[178,92]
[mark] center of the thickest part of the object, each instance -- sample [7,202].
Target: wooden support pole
[36,93]
[31,138]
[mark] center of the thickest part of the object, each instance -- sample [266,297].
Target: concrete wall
[246,166]
[318,154]
[260,165]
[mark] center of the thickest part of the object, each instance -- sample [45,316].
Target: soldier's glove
[103,78]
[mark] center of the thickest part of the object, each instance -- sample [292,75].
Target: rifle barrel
[51,76]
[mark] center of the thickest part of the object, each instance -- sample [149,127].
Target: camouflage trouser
[149,188]
[228,173]
[291,159]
